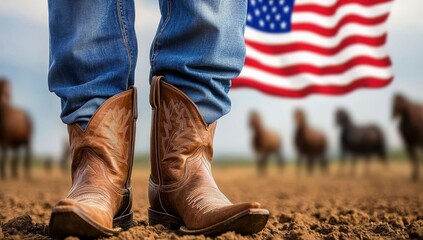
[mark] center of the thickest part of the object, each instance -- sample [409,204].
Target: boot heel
[167,220]
[124,221]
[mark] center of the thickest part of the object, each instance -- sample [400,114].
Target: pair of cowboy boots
[182,192]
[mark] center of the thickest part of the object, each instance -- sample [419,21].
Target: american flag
[296,48]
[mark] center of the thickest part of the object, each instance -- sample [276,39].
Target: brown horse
[359,142]
[15,132]
[410,128]
[265,143]
[310,143]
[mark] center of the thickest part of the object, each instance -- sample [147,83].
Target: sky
[24,61]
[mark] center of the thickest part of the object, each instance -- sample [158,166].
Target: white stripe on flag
[303,80]
[301,57]
[330,21]
[326,3]
[315,39]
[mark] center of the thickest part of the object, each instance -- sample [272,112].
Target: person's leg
[198,49]
[93,52]
[92,60]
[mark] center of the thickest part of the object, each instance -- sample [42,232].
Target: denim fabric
[199,48]
[93,52]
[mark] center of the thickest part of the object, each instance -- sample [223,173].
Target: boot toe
[243,218]
[81,220]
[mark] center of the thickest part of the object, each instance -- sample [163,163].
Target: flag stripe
[368,82]
[325,3]
[302,80]
[313,38]
[299,57]
[332,20]
[299,46]
[329,32]
[311,69]
[332,9]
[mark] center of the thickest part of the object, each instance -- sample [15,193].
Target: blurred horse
[410,128]
[15,132]
[310,143]
[265,143]
[359,141]
[65,158]
[48,165]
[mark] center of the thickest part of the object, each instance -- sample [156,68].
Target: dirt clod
[23,225]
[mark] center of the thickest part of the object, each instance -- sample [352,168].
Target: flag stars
[286,9]
[257,12]
[278,17]
[268,17]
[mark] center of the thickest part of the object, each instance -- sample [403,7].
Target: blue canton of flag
[273,16]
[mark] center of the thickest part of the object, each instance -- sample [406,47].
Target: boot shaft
[178,133]
[109,136]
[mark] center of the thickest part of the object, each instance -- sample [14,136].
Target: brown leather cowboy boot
[100,200]
[182,192]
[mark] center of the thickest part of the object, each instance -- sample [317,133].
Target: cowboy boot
[182,192]
[100,200]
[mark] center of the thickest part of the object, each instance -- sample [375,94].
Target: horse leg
[299,164]
[367,166]
[3,159]
[280,159]
[342,163]
[415,171]
[383,157]
[262,163]
[324,163]
[27,162]
[259,157]
[353,169]
[310,164]
[14,163]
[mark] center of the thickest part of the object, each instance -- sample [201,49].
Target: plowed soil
[381,203]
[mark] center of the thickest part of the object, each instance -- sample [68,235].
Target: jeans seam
[156,39]
[124,33]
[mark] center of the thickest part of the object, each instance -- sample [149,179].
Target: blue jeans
[199,47]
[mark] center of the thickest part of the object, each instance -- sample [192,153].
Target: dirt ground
[380,204]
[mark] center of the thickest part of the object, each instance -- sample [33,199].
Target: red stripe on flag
[328,70]
[326,89]
[293,47]
[331,10]
[330,32]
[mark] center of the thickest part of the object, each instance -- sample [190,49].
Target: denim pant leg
[199,48]
[93,52]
